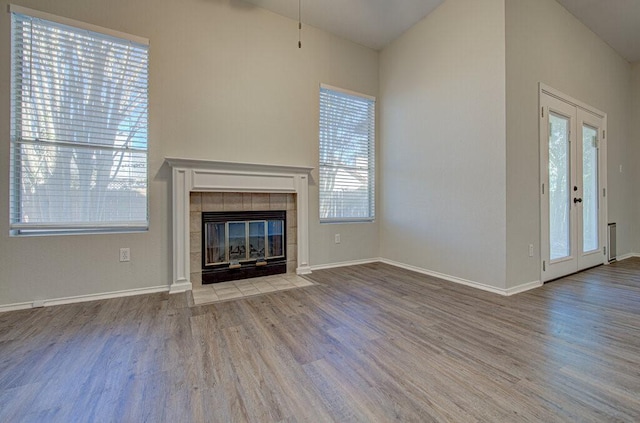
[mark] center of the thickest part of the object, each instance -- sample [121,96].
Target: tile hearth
[225,291]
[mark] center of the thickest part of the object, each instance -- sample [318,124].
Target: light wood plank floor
[369,343]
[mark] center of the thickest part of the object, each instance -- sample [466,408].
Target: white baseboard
[140,291]
[303,270]
[466,282]
[344,263]
[445,277]
[15,306]
[500,291]
[626,256]
[82,298]
[184,286]
[523,287]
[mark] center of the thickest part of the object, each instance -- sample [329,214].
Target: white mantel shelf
[194,175]
[236,166]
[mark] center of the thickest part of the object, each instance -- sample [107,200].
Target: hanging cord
[299,24]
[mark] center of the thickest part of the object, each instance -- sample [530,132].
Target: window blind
[79,103]
[347,156]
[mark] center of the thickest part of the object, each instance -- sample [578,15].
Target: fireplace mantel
[192,175]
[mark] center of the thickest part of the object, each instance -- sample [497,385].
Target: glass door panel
[559,187]
[276,238]
[237,241]
[214,243]
[257,237]
[590,216]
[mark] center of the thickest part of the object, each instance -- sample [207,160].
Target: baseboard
[446,277]
[303,270]
[82,298]
[523,287]
[152,290]
[627,256]
[344,263]
[473,284]
[182,286]
[15,306]
[500,291]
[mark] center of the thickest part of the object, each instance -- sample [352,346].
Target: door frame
[602,169]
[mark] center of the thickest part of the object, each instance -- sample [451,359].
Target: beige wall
[443,143]
[227,82]
[545,43]
[635,140]
[458,149]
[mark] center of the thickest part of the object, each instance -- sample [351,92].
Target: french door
[573,169]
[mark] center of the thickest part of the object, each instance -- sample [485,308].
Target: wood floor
[369,343]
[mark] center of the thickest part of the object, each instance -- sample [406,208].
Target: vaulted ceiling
[375,23]
[371,23]
[617,22]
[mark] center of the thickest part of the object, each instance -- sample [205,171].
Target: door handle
[577,200]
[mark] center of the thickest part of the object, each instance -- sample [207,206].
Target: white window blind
[78,129]
[347,156]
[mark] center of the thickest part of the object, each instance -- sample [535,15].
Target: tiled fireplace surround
[238,201]
[230,186]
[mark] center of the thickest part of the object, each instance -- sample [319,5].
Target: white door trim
[545,89]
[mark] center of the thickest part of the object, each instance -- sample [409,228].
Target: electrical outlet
[125,254]
[337,238]
[530,250]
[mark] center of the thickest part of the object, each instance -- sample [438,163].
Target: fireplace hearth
[243,244]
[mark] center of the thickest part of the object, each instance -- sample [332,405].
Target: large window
[347,156]
[78,127]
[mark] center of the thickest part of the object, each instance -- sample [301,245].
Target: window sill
[345,221]
[37,233]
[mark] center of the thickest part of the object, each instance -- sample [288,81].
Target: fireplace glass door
[243,241]
[257,239]
[237,241]
[276,238]
[215,251]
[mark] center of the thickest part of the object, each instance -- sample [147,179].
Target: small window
[78,127]
[347,156]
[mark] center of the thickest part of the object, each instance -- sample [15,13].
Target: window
[78,127]
[347,156]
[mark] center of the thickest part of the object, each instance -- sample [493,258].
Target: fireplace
[192,177]
[243,244]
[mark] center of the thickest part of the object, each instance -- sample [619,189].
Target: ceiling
[617,22]
[371,23]
[375,23]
